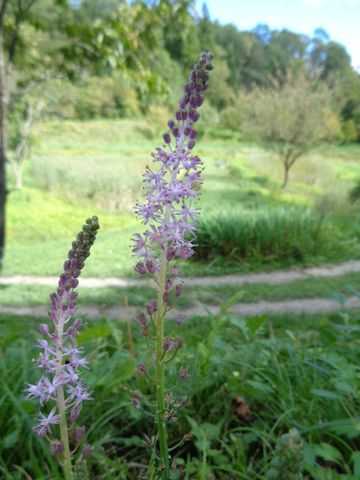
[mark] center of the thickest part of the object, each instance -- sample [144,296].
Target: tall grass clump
[266,235]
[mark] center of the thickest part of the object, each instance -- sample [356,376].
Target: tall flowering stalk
[171,187]
[61,358]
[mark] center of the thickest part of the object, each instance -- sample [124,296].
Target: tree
[290,119]
[12,17]
[21,68]
[45,39]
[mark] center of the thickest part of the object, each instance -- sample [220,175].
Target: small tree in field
[290,119]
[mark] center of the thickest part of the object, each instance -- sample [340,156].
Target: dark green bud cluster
[85,239]
[287,463]
[65,296]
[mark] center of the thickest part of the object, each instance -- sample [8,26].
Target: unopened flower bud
[178,290]
[167,138]
[140,268]
[44,329]
[80,432]
[183,373]
[56,447]
[141,367]
[86,451]
[74,414]
[151,307]
[150,265]
[180,319]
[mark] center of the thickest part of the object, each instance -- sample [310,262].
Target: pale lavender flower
[43,428]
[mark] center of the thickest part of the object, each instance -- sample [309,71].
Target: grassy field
[302,372]
[251,380]
[83,168]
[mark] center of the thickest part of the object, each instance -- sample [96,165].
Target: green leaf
[260,386]
[202,349]
[326,394]
[224,307]
[309,454]
[10,440]
[355,458]
[328,452]
[255,323]
[92,332]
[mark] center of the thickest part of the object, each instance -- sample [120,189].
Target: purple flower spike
[60,357]
[171,187]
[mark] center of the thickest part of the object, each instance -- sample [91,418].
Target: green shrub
[277,234]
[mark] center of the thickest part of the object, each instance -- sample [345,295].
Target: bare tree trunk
[22,151]
[18,176]
[4,102]
[286,175]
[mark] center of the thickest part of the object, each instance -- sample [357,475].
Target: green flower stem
[64,435]
[160,372]
[60,399]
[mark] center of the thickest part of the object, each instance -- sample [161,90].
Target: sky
[339,18]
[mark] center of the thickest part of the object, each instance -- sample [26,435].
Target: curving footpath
[271,278]
[295,306]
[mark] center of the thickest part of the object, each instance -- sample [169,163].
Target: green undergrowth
[250,382]
[268,235]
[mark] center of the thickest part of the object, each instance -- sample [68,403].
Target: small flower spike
[60,357]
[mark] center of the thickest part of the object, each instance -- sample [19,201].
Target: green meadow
[251,380]
[82,168]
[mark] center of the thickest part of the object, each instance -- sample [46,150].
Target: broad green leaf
[328,452]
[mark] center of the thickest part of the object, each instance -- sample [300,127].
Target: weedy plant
[287,463]
[61,359]
[169,216]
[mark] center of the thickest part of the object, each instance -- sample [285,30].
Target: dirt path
[270,278]
[298,306]
[303,305]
